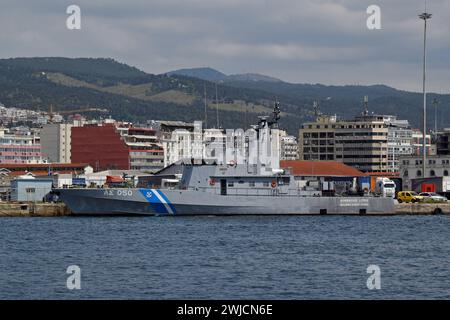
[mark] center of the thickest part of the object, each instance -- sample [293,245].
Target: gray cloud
[312,41]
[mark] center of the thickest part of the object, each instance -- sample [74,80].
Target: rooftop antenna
[366,105]
[316,108]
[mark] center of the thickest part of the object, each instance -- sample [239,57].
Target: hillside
[131,94]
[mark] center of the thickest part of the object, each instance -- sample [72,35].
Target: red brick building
[101,146]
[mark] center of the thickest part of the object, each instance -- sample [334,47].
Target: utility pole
[424,16]
[435,103]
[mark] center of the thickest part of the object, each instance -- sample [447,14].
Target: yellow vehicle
[409,196]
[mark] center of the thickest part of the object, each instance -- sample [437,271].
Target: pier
[15,209]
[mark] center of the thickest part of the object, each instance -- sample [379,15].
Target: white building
[289,148]
[179,146]
[225,146]
[399,141]
[411,168]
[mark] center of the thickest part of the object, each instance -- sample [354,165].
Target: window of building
[419,173]
[445,173]
[432,173]
[406,173]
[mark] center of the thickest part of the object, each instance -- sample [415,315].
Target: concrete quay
[422,208]
[17,209]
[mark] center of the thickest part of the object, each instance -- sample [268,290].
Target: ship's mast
[217,108]
[206,107]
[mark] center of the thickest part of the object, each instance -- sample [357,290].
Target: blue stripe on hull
[171,206]
[158,200]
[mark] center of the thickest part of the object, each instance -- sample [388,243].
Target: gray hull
[185,202]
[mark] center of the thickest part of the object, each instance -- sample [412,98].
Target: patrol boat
[187,188]
[205,187]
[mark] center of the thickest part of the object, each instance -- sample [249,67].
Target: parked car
[432,197]
[409,196]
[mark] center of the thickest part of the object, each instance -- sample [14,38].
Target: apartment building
[115,145]
[417,143]
[317,139]
[443,142]
[289,148]
[361,143]
[56,142]
[399,141]
[226,146]
[20,146]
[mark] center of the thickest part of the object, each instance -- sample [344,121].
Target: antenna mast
[206,107]
[366,105]
[217,108]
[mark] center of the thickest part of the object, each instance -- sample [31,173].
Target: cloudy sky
[302,41]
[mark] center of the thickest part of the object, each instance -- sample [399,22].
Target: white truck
[385,187]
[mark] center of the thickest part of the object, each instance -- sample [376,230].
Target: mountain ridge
[132,94]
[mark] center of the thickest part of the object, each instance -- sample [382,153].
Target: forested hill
[131,94]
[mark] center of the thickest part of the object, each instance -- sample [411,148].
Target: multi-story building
[146,151]
[20,146]
[226,146]
[361,143]
[289,148]
[417,143]
[101,146]
[116,145]
[443,142]
[56,142]
[197,144]
[317,139]
[178,146]
[399,141]
[411,168]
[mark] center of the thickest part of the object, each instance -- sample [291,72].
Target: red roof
[320,168]
[44,166]
[384,174]
[35,173]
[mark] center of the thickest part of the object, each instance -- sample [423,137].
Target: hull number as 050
[119,193]
[125,193]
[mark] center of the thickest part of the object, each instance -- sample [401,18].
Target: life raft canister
[274,183]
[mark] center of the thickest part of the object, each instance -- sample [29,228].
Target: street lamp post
[424,16]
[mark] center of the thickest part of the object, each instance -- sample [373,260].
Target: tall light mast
[424,16]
